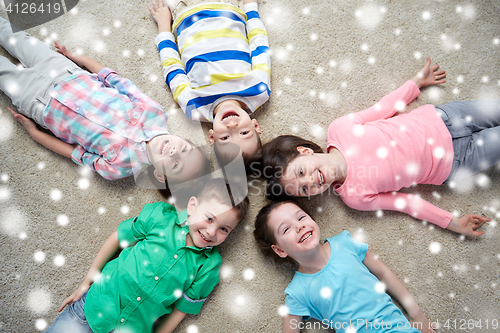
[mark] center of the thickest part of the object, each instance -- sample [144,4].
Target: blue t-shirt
[344,294]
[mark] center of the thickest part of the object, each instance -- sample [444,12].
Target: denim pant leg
[475,129]
[29,87]
[72,319]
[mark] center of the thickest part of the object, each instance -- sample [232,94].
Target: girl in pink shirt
[372,154]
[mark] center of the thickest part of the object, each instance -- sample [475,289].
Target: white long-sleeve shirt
[221,53]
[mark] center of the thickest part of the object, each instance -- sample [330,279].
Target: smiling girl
[372,154]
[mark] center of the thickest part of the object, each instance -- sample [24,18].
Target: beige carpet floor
[329,58]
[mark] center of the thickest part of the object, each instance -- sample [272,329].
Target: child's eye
[176,164]
[225,230]
[301,172]
[209,219]
[245,132]
[184,149]
[286,229]
[224,138]
[304,190]
[301,218]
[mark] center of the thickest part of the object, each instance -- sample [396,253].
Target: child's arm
[419,208]
[82,61]
[396,288]
[108,249]
[258,42]
[389,104]
[291,323]
[170,323]
[51,142]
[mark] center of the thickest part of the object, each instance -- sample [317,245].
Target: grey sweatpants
[29,87]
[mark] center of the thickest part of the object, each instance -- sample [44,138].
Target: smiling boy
[215,61]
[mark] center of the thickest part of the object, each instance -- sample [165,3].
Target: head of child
[212,215]
[175,158]
[292,167]
[232,123]
[283,231]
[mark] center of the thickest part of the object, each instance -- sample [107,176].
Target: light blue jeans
[29,87]
[475,129]
[71,320]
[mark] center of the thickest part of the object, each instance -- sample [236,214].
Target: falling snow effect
[13,221]
[39,301]
[41,324]
[435,247]
[369,15]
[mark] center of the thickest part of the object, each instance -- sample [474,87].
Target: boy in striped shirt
[215,60]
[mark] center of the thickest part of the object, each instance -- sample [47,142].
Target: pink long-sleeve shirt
[385,153]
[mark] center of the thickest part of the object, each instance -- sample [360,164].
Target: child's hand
[62,50]
[27,123]
[161,15]
[468,224]
[429,75]
[75,296]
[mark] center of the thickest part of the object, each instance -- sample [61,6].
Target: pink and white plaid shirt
[109,119]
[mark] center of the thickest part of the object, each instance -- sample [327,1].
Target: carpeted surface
[329,58]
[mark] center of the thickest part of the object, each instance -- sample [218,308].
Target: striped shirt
[221,53]
[108,119]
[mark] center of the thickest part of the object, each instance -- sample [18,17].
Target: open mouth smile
[305,237]
[230,114]
[204,238]
[164,147]
[321,178]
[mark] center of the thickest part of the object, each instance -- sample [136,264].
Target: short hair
[232,196]
[276,155]
[264,235]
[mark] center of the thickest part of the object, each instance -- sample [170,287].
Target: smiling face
[173,157]
[308,174]
[233,124]
[294,231]
[210,222]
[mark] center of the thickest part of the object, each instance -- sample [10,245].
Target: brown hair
[276,155]
[264,235]
[218,189]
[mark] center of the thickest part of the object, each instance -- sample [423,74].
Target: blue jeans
[475,129]
[72,319]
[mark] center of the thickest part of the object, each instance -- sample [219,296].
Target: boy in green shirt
[168,266]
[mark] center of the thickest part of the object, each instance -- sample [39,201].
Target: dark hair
[263,234]
[276,155]
[220,190]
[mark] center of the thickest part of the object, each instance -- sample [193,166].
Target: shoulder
[339,240]
[160,209]
[211,263]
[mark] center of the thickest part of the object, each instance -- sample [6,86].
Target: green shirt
[156,272]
